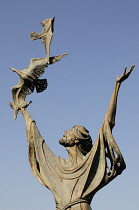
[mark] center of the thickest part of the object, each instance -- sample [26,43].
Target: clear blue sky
[101,38]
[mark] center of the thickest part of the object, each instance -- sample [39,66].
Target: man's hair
[79,136]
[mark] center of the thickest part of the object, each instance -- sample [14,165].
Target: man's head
[78,135]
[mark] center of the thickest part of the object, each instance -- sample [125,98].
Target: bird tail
[41,85]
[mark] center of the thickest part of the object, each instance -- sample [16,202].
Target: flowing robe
[74,186]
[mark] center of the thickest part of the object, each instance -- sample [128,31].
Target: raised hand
[125,75]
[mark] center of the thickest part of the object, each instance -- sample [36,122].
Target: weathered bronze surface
[29,77]
[46,35]
[89,166]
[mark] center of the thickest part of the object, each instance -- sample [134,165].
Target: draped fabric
[73,187]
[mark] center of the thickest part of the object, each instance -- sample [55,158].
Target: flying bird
[46,35]
[29,80]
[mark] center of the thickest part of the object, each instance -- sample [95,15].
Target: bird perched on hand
[29,80]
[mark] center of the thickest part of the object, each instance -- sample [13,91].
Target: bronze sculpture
[46,35]
[29,79]
[89,166]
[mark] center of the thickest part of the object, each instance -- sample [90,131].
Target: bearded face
[68,138]
[78,135]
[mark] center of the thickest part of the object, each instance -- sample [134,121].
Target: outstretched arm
[26,114]
[28,122]
[111,113]
[39,153]
[32,153]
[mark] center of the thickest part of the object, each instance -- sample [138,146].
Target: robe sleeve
[115,163]
[106,161]
[36,145]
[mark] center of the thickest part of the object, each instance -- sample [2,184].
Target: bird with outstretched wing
[46,35]
[29,80]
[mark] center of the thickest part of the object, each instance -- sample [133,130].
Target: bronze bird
[29,80]
[46,35]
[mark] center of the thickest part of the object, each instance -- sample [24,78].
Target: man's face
[78,135]
[68,135]
[68,138]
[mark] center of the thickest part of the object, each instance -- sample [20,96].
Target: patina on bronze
[89,166]
[29,77]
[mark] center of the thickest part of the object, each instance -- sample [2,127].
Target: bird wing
[19,92]
[37,66]
[29,80]
[57,58]
[46,35]
[48,30]
[16,89]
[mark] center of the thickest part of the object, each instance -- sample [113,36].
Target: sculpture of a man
[75,181]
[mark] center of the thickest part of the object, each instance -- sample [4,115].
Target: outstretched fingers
[130,70]
[125,75]
[125,70]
